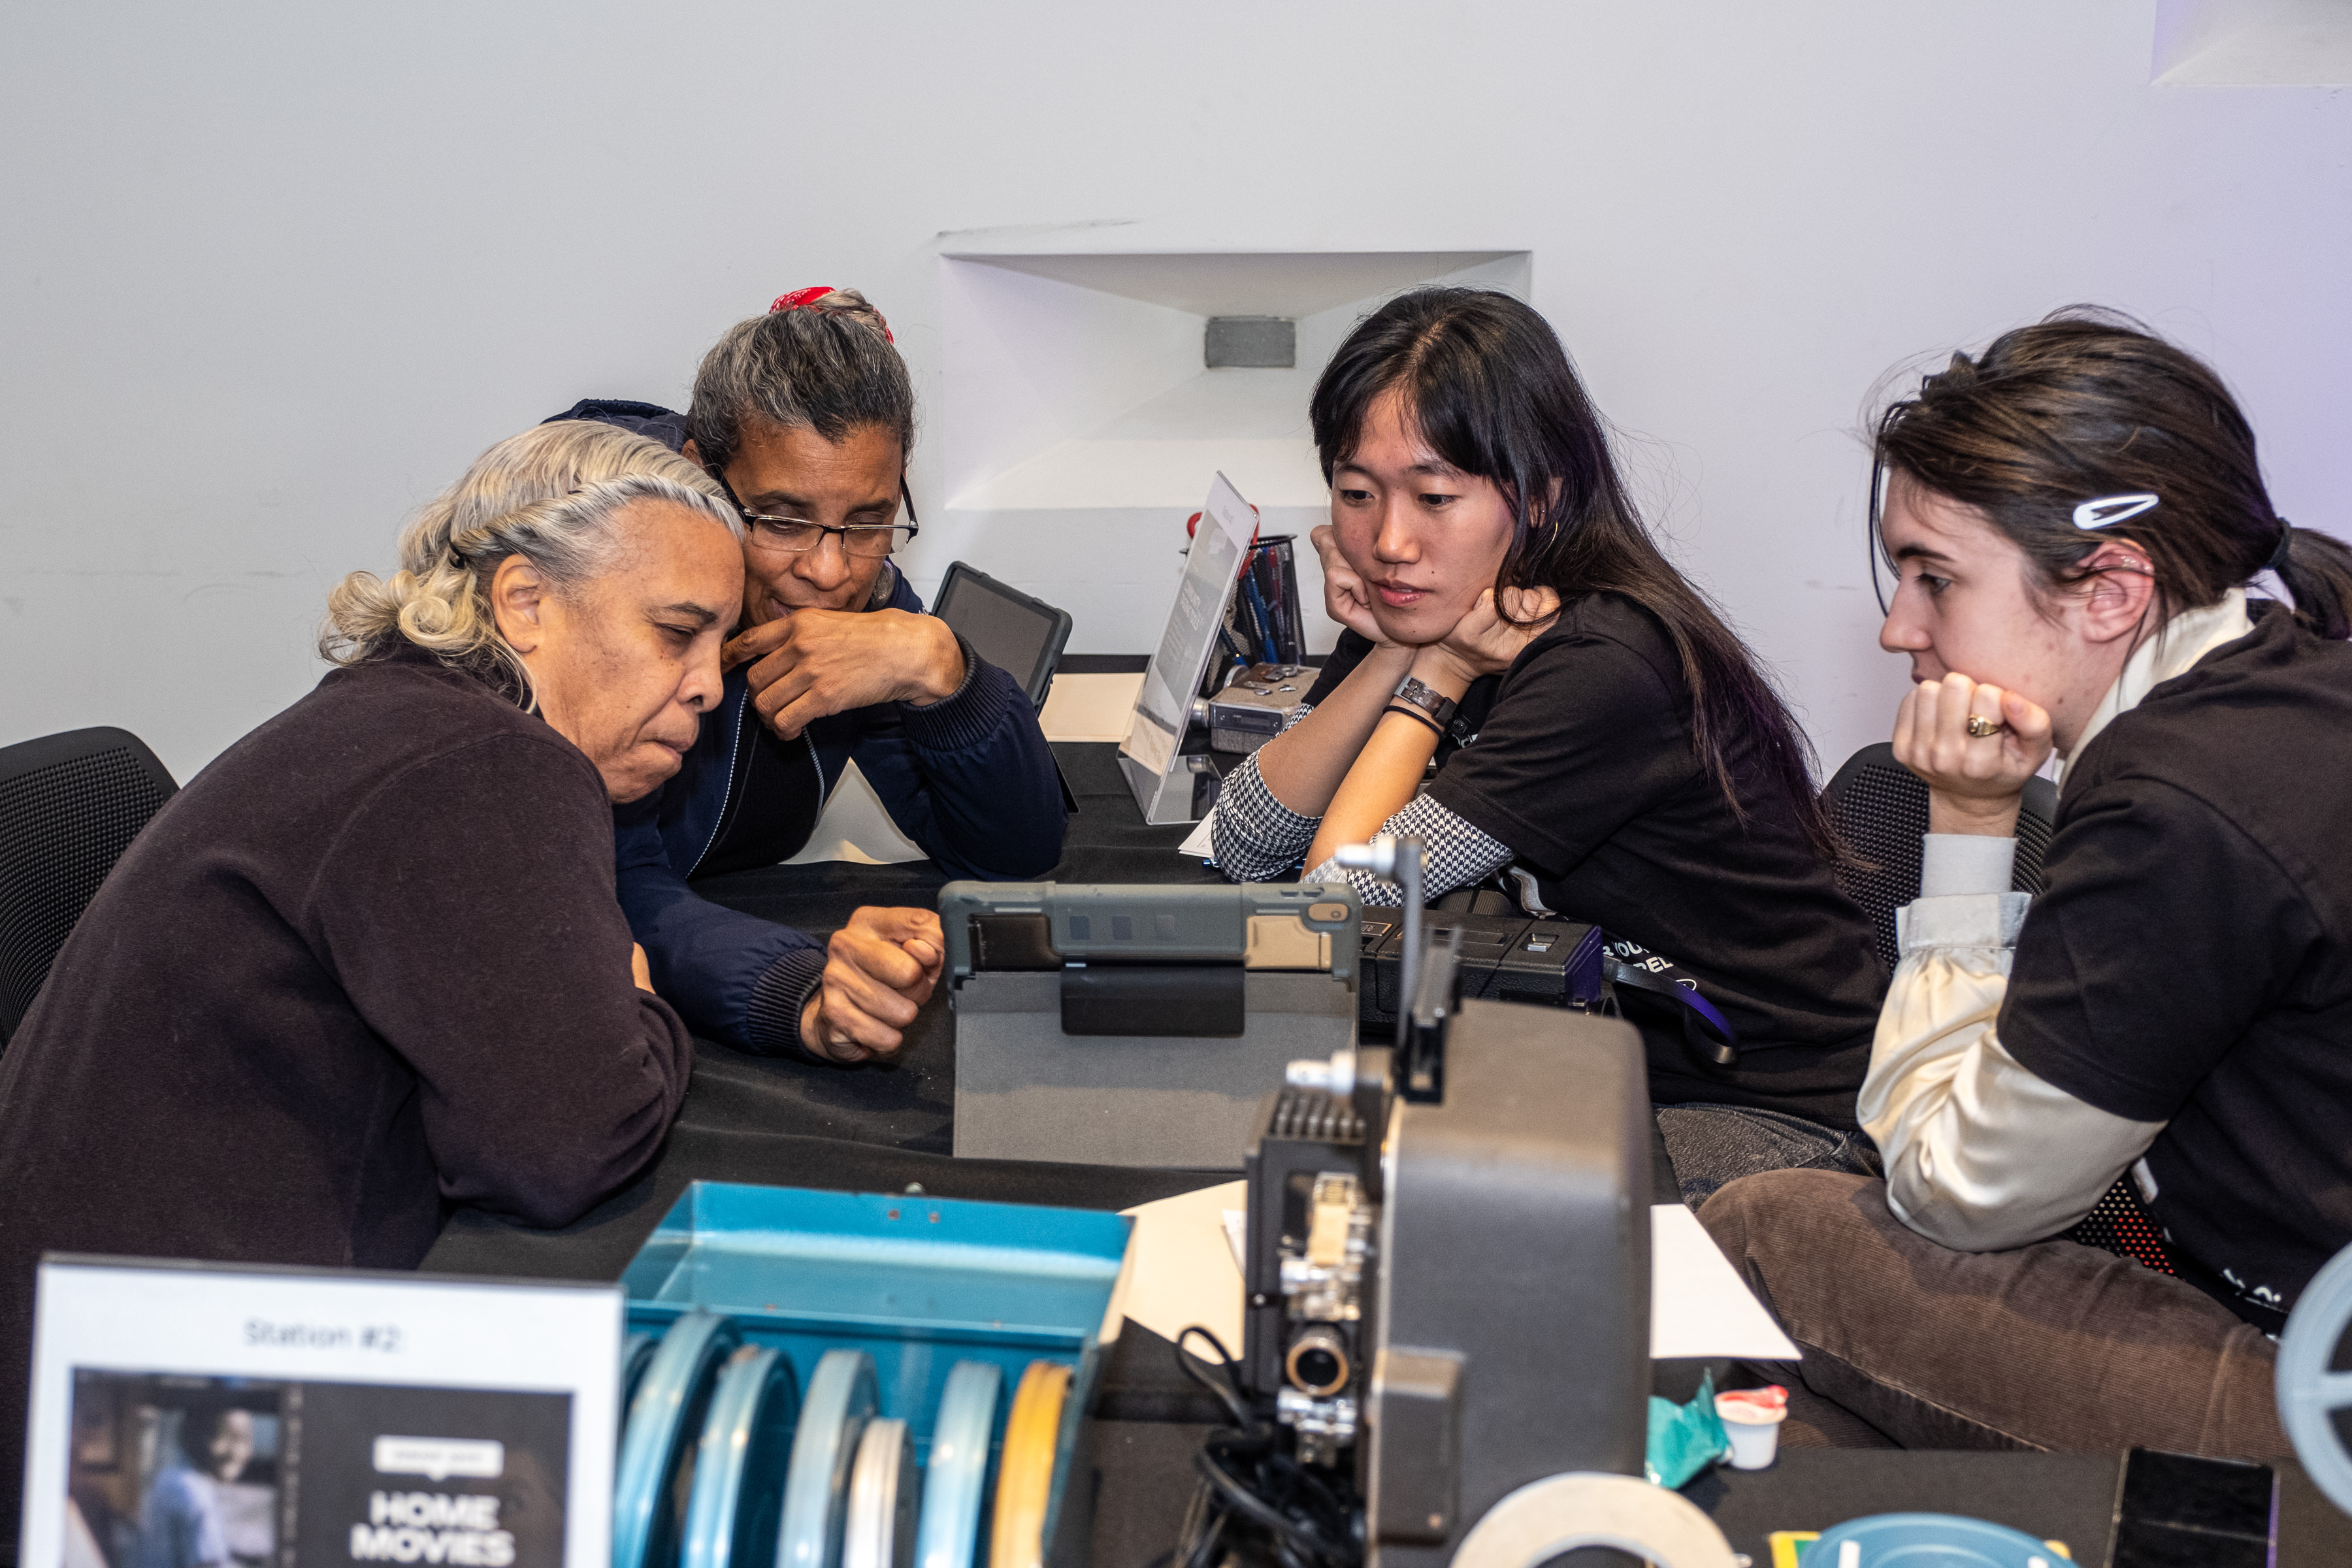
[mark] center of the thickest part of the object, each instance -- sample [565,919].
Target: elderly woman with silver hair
[369,963]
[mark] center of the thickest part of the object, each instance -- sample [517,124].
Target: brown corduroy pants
[2053,1346]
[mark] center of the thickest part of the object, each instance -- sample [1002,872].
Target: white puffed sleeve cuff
[1982,1152]
[1960,919]
[1954,863]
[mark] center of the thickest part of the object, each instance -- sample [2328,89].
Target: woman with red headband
[806,417]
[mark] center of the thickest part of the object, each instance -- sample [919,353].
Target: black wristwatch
[1414,693]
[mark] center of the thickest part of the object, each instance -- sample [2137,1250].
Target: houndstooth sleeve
[1256,838]
[1459,854]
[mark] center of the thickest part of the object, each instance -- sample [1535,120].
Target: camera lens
[1318,1361]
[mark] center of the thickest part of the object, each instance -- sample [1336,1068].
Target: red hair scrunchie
[806,298]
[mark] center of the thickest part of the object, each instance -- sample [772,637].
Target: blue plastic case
[918,1283]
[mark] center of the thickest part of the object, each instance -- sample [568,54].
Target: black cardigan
[366,966]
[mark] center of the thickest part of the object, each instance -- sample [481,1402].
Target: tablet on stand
[1164,777]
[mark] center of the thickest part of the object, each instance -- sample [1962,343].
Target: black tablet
[1020,634]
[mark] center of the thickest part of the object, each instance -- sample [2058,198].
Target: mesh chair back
[70,806]
[1880,808]
[2118,1222]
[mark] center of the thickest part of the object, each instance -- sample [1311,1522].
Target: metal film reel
[636,1354]
[1024,1482]
[841,1400]
[885,1490]
[739,1468]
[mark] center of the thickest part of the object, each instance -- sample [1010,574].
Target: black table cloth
[793,1123]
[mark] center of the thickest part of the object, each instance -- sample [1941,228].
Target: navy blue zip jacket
[969,779]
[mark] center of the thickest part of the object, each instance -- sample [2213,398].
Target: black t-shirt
[1578,757]
[2191,960]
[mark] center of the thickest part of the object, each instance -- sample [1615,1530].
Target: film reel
[636,1354]
[667,1408]
[2309,1393]
[955,1486]
[1545,1519]
[840,1402]
[739,1467]
[886,1487]
[1024,1482]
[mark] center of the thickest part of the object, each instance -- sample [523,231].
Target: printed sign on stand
[1151,756]
[263,1417]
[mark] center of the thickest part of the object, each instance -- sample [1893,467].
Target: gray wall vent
[1251,342]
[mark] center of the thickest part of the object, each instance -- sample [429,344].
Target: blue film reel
[636,1354]
[955,1491]
[738,1470]
[663,1418]
[840,1401]
[1937,1538]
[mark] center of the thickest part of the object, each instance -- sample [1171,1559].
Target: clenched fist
[878,972]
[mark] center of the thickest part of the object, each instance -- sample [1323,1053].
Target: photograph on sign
[171,1471]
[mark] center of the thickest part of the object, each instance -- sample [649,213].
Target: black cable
[1254,1497]
[1230,1393]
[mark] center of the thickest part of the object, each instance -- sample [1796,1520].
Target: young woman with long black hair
[1592,719]
[2074,516]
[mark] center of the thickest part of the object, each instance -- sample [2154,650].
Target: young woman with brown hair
[2074,516]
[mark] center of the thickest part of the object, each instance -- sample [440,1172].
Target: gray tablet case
[1119,1025]
[1019,633]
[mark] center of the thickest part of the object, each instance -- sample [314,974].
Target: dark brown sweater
[366,966]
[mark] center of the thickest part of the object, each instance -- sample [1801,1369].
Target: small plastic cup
[1751,1419]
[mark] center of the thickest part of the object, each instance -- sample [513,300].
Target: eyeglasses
[794,536]
[790,535]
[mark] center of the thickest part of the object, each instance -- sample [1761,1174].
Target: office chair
[69,804]
[1880,809]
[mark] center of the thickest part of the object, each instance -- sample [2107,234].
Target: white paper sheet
[1184,1268]
[1698,1304]
[1196,843]
[1089,706]
[855,826]
[1187,1271]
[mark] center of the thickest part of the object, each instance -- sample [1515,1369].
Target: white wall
[1081,425]
[270,275]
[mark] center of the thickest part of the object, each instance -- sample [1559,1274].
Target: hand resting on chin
[806,663]
[1974,782]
